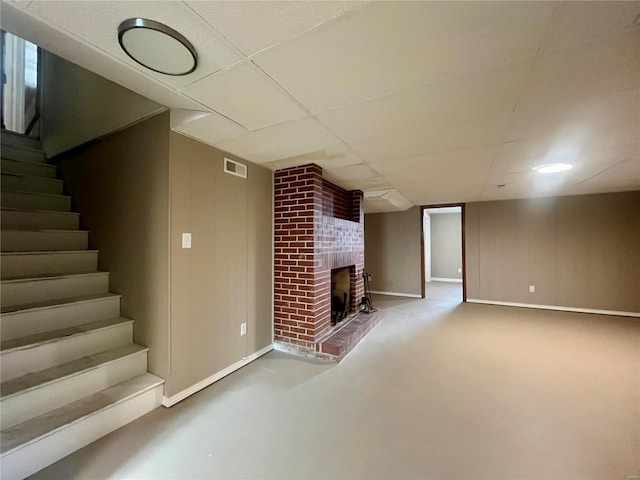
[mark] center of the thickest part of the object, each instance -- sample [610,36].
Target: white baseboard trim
[172,400]
[556,307]
[452,280]
[396,294]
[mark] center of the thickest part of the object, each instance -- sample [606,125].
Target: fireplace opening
[341,295]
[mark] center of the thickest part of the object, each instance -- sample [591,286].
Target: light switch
[186,240]
[532,289]
[243,329]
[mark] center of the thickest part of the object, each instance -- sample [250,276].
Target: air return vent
[235,168]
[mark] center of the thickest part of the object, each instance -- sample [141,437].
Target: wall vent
[235,168]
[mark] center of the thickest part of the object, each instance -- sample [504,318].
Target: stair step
[39,289]
[25,264]
[18,240]
[33,445]
[23,153]
[28,183]
[37,169]
[16,218]
[20,140]
[36,393]
[23,320]
[48,349]
[36,201]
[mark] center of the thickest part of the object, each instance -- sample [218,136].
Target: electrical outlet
[532,289]
[243,329]
[459,270]
[186,240]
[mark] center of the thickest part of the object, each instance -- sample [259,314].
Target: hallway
[436,390]
[444,291]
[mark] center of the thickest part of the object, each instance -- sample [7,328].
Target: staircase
[70,371]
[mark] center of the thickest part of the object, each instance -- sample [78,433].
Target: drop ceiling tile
[366,184]
[254,26]
[353,172]
[446,181]
[580,119]
[466,158]
[483,133]
[389,46]
[96,22]
[595,68]
[211,128]
[622,174]
[521,181]
[453,193]
[246,96]
[520,156]
[446,103]
[305,139]
[331,157]
[580,21]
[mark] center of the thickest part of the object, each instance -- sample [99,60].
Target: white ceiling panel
[332,157]
[580,120]
[482,133]
[253,26]
[466,158]
[246,96]
[352,172]
[304,139]
[514,159]
[622,176]
[97,23]
[211,128]
[580,21]
[389,46]
[452,102]
[367,184]
[438,101]
[440,185]
[603,66]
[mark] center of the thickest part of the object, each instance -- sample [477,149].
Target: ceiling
[416,102]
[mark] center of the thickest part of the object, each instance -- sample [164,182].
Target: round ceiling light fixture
[157,47]
[553,167]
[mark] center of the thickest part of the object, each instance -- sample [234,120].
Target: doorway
[443,252]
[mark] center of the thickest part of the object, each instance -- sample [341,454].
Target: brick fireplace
[319,227]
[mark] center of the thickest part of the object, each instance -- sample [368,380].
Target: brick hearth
[318,227]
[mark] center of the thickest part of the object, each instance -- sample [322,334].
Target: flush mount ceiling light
[553,167]
[157,47]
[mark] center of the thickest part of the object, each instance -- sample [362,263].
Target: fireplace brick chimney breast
[318,227]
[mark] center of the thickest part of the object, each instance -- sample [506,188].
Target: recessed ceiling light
[553,167]
[157,47]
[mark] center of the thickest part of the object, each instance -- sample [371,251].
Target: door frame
[422,259]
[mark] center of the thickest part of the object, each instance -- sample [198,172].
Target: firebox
[341,294]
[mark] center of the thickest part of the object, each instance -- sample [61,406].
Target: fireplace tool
[366,305]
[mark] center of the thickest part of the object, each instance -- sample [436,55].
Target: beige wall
[78,105]
[392,247]
[580,251]
[225,279]
[120,185]
[446,245]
